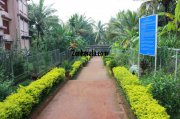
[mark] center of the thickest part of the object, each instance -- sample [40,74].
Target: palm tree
[100,32]
[124,28]
[173,24]
[154,6]
[80,26]
[40,15]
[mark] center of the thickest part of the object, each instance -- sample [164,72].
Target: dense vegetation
[50,33]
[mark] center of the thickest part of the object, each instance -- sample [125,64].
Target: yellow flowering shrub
[19,104]
[85,59]
[75,67]
[141,101]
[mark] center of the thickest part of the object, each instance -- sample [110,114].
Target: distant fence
[20,64]
[168,60]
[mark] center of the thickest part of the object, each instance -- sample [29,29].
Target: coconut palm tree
[154,6]
[80,26]
[124,28]
[40,15]
[100,32]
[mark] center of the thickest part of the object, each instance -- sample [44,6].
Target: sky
[96,9]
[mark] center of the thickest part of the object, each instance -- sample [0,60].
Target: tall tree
[40,15]
[124,27]
[100,32]
[80,26]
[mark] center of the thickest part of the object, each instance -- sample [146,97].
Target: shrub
[141,101]
[19,104]
[66,65]
[165,89]
[26,82]
[5,89]
[75,67]
[84,59]
[107,58]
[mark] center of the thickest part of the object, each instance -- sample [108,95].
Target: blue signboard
[148,35]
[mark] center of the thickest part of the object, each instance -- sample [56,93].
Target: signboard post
[148,28]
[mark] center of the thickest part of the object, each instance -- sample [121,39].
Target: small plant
[67,66]
[144,66]
[5,89]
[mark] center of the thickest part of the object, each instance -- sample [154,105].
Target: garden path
[93,95]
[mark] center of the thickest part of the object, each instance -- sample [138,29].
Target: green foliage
[78,64]
[66,65]
[19,105]
[124,28]
[5,89]
[177,12]
[139,97]
[166,90]
[85,59]
[75,67]
[26,82]
[100,33]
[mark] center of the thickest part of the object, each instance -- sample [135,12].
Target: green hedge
[20,104]
[139,97]
[78,64]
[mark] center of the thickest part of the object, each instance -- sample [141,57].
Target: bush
[5,89]
[112,64]
[166,90]
[19,104]
[26,82]
[75,67]
[78,64]
[139,97]
[107,58]
[84,59]
[66,65]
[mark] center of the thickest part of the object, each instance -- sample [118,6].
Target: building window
[23,7]
[6,24]
[5,6]
[24,28]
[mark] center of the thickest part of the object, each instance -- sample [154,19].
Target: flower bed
[19,105]
[139,97]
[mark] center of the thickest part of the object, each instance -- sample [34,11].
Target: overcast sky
[96,9]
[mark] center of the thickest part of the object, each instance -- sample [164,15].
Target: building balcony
[25,35]
[24,16]
[1,2]
[7,37]
[1,33]
[5,15]
[1,8]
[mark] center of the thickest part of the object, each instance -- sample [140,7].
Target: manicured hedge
[139,97]
[20,104]
[78,64]
[75,67]
[85,59]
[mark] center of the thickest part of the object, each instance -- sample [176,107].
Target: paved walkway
[92,96]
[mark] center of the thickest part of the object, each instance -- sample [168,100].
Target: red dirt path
[92,96]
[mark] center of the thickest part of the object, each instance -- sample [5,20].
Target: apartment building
[14,30]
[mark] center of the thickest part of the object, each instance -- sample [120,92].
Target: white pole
[155,69]
[139,55]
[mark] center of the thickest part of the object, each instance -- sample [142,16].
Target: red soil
[92,96]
